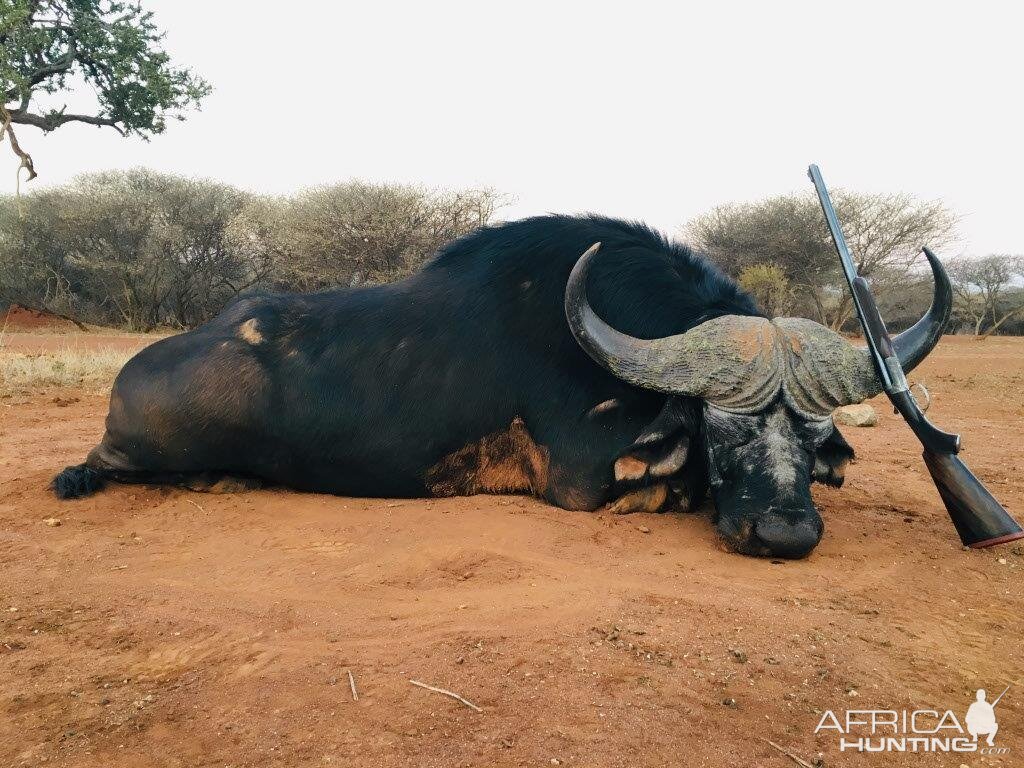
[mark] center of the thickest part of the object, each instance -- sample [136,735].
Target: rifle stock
[980,520]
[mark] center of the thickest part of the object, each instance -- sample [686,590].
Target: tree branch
[56,68]
[26,158]
[54,120]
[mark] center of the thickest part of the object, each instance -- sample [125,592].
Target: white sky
[656,111]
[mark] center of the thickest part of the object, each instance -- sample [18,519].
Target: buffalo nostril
[786,539]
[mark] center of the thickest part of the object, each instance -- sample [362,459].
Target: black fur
[77,481]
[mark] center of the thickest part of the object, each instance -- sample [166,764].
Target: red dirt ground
[159,627]
[15,318]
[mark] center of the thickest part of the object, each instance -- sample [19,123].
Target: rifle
[1000,697]
[979,519]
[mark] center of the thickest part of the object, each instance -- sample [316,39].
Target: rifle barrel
[833,224]
[850,271]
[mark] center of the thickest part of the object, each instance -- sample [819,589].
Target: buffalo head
[766,390]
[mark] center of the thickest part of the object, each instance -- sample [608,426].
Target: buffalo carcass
[643,380]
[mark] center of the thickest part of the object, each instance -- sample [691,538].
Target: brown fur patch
[249,331]
[649,499]
[502,462]
[629,468]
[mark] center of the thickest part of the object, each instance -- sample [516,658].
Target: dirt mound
[18,318]
[167,628]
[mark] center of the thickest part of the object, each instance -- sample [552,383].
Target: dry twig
[455,696]
[790,755]
[196,506]
[352,685]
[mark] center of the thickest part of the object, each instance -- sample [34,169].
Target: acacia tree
[355,232]
[981,289]
[885,233]
[37,270]
[139,249]
[112,47]
[133,248]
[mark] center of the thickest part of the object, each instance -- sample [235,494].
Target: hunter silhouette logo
[919,730]
[981,717]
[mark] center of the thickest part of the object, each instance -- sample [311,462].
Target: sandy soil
[158,627]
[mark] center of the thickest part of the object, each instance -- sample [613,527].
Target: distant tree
[353,233]
[135,249]
[769,286]
[113,48]
[36,269]
[983,290]
[885,233]
[139,249]
[902,298]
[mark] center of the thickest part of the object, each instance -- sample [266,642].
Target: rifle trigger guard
[924,393]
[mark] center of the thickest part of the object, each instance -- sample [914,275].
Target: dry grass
[73,332]
[88,369]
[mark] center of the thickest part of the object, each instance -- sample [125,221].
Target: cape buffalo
[637,375]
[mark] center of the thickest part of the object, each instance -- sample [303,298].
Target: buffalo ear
[663,447]
[653,460]
[831,459]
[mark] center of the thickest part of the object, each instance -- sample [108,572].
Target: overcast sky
[632,109]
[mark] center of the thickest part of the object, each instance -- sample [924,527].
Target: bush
[140,249]
[769,286]
[884,232]
[355,233]
[135,249]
